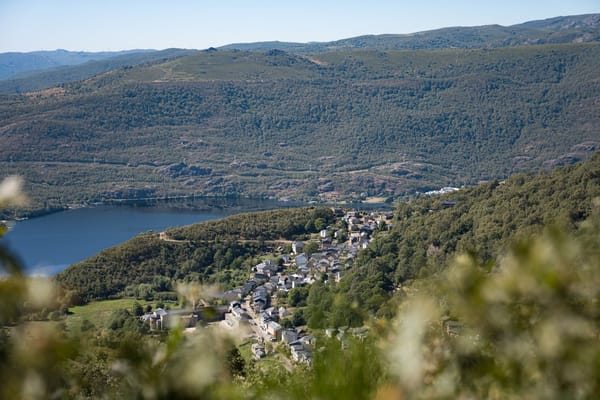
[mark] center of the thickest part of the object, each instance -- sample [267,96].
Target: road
[165,237]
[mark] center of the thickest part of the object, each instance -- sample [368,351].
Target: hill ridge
[327,127]
[562,29]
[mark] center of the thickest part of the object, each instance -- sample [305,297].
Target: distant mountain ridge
[24,72]
[568,29]
[12,64]
[45,78]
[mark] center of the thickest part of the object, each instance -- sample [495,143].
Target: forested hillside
[211,252]
[570,29]
[323,127]
[483,221]
[504,329]
[426,235]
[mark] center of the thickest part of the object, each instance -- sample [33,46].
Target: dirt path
[163,236]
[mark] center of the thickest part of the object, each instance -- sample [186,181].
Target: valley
[331,286]
[276,125]
[386,216]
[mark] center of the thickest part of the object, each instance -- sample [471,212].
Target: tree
[298,318]
[318,305]
[86,325]
[138,310]
[145,291]
[235,362]
[122,320]
[193,293]
[297,296]
[344,312]
[510,328]
[320,224]
[118,318]
[311,247]
[287,323]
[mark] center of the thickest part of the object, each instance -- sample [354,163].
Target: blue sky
[94,25]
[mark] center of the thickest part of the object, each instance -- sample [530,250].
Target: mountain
[12,64]
[339,125]
[49,77]
[42,69]
[569,29]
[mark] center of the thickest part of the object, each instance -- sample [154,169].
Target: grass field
[99,312]
[246,350]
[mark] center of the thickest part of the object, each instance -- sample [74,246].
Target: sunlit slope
[569,29]
[326,126]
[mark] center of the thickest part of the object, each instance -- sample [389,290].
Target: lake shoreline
[175,203]
[52,241]
[150,202]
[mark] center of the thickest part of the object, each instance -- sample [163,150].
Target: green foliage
[86,325]
[484,220]
[98,313]
[218,252]
[87,66]
[319,304]
[267,225]
[332,125]
[553,30]
[521,325]
[516,324]
[297,296]
[118,319]
[138,310]
[286,323]
[124,321]
[235,362]
[354,372]
[320,224]
[311,247]
[298,318]
[345,313]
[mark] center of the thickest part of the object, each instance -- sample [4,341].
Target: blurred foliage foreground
[524,327]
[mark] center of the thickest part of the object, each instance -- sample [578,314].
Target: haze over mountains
[25,68]
[570,29]
[25,72]
[15,63]
[370,116]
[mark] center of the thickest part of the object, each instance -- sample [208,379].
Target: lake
[50,243]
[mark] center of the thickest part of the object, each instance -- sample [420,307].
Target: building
[297,247]
[289,336]
[274,329]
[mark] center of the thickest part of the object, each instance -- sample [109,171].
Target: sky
[109,25]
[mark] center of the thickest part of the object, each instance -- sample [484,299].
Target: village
[255,307]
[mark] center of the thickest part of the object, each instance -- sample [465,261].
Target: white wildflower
[406,354]
[40,292]
[11,193]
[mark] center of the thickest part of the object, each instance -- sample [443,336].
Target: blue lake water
[48,244]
